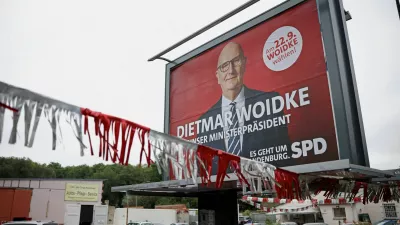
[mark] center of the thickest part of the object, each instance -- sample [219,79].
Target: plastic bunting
[175,155]
[225,161]
[179,158]
[33,105]
[285,183]
[109,128]
[282,208]
[350,190]
[182,159]
[257,171]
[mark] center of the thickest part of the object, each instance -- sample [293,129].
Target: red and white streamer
[337,201]
[257,171]
[175,155]
[280,209]
[180,158]
[267,200]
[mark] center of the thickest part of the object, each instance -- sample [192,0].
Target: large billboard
[266,92]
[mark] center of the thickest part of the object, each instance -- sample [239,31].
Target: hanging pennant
[206,156]
[19,100]
[254,170]
[225,161]
[182,159]
[285,183]
[175,156]
[281,208]
[109,128]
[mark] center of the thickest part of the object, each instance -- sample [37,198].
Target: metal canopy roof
[180,188]
[396,176]
[176,188]
[339,169]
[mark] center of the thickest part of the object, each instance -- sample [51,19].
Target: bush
[269,222]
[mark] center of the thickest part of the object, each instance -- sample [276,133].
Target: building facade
[51,197]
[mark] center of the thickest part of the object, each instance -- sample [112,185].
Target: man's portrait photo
[236,96]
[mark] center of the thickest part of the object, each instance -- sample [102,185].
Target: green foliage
[270,222]
[17,168]
[114,175]
[247,213]
[244,206]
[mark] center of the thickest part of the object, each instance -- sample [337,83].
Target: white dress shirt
[226,107]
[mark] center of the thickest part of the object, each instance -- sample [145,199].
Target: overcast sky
[93,53]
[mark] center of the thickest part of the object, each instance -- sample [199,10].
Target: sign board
[279,89]
[81,192]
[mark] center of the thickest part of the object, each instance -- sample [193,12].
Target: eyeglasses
[237,61]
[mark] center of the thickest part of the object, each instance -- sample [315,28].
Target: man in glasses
[236,97]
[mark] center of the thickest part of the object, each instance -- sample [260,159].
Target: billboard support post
[346,104]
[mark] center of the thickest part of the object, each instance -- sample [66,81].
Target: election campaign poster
[264,94]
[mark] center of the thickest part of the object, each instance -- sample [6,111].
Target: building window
[339,213]
[390,210]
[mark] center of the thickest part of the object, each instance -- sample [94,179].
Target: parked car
[140,223]
[387,222]
[31,223]
[288,223]
[244,220]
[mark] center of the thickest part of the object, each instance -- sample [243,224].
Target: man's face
[231,67]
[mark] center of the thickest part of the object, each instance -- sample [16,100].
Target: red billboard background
[194,88]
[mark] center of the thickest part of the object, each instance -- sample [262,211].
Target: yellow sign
[82,192]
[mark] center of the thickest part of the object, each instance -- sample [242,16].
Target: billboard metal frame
[343,89]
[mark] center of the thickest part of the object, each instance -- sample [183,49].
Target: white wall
[183,217]
[111,211]
[376,212]
[352,211]
[120,216]
[163,216]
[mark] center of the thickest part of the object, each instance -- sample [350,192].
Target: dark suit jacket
[268,137]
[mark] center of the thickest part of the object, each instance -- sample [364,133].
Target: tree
[58,169]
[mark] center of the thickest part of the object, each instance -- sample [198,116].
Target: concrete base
[224,205]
